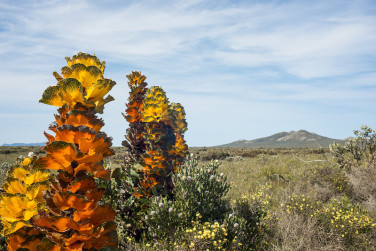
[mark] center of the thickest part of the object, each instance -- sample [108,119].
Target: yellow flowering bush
[347,221]
[206,236]
[350,222]
[261,195]
[302,204]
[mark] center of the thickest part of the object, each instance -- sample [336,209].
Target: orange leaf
[60,224]
[60,155]
[132,111]
[100,143]
[82,215]
[48,162]
[109,239]
[83,183]
[73,134]
[94,195]
[102,214]
[49,137]
[66,200]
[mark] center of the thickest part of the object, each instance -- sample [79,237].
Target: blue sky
[241,69]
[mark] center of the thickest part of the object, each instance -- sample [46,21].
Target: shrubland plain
[267,199]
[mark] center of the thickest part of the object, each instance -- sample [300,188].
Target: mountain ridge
[293,139]
[24,144]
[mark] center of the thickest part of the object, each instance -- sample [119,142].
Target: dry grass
[363,187]
[294,232]
[11,153]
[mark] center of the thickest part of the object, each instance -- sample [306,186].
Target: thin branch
[315,160]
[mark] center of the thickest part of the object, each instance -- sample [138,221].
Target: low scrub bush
[247,223]
[331,176]
[4,168]
[293,231]
[164,220]
[362,184]
[303,205]
[359,151]
[214,155]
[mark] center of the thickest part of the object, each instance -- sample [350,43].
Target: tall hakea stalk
[74,219]
[135,141]
[158,126]
[22,199]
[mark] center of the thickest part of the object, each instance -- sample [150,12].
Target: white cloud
[312,41]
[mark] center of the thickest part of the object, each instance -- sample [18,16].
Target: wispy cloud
[220,59]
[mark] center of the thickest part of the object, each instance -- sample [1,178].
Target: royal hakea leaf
[158,126]
[74,218]
[177,118]
[23,197]
[155,105]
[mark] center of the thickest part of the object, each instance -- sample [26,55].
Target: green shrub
[358,151]
[245,224]
[201,189]
[129,209]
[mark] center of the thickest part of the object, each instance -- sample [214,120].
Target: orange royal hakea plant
[74,219]
[20,201]
[135,141]
[159,126]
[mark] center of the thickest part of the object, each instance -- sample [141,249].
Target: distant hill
[292,139]
[25,144]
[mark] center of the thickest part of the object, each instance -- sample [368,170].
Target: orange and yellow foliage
[22,199]
[74,218]
[135,141]
[158,126]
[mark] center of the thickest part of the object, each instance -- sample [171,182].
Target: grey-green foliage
[129,209]
[164,219]
[4,168]
[202,189]
[249,216]
[198,190]
[358,151]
